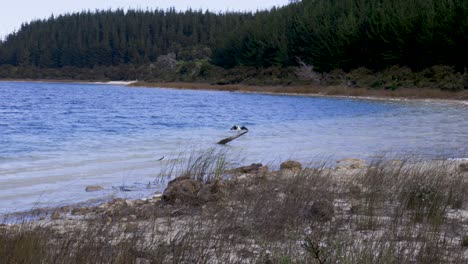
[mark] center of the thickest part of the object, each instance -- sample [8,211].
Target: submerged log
[229,139]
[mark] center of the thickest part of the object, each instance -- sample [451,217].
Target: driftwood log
[229,139]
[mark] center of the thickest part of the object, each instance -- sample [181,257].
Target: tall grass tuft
[202,165]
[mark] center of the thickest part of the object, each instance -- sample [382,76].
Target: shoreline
[126,83]
[76,211]
[342,92]
[254,207]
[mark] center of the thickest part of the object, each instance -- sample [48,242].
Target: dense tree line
[347,34]
[89,39]
[328,34]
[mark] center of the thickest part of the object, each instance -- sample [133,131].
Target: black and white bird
[239,128]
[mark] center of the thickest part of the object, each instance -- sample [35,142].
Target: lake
[55,138]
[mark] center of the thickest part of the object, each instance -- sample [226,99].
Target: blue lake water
[55,139]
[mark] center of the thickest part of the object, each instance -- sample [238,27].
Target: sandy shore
[70,81]
[343,170]
[426,95]
[352,208]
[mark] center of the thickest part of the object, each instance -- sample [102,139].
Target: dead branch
[229,139]
[306,72]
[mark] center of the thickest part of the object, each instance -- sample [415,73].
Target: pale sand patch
[116,82]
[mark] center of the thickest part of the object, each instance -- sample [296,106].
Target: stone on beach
[80,211]
[185,190]
[94,188]
[291,165]
[182,189]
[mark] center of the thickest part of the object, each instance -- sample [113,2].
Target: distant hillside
[89,39]
[328,34]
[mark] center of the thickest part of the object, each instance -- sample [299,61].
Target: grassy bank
[389,211]
[437,82]
[296,89]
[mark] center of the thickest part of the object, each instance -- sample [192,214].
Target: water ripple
[57,138]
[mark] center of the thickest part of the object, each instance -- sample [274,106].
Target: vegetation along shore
[351,211]
[400,48]
[317,90]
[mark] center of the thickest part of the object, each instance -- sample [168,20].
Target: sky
[15,12]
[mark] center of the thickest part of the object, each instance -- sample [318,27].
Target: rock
[180,178]
[181,190]
[80,211]
[94,188]
[291,165]
[254,167]
[463,167]
[352,163]
[64,209]
[189,191]
[55,215]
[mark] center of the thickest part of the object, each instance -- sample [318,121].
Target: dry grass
[437,82]
[388,212]
[333,90]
